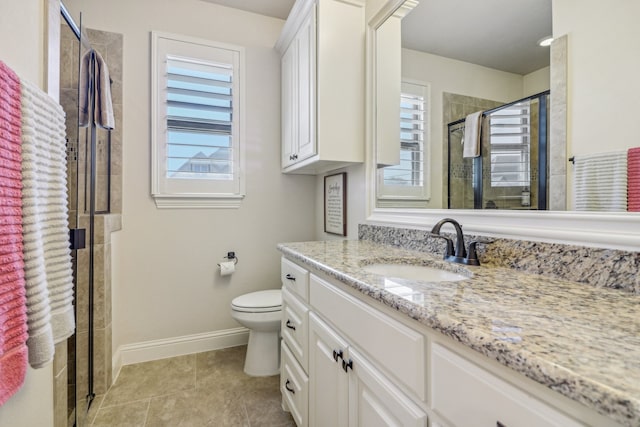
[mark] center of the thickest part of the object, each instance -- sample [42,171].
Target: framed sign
[335,204]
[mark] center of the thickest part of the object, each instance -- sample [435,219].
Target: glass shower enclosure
[511,171]
[88,185]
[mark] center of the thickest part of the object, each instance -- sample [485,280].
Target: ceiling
[499,34]
[275,8]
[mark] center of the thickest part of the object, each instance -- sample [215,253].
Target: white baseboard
[177,346]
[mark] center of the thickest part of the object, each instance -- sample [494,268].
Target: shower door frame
[543,153]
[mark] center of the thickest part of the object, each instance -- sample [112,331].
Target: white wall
[356,202]
[603,105]
[22,48]
[22,42]
[536,82]
[603,65]
[449,75]
[166,282]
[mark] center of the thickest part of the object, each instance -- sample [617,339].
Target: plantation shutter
[199,119]
[510,146]
[410,171]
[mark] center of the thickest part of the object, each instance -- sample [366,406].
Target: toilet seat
[258,302]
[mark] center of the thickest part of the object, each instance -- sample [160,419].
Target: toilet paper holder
[231,256]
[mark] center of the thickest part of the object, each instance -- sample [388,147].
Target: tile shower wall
[455,107]
[108,200]
[558,125]
[609,268]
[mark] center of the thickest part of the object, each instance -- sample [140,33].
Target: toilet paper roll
[227,268]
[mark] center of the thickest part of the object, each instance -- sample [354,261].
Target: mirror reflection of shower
[512,168]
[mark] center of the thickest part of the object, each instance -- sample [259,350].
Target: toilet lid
[261,301]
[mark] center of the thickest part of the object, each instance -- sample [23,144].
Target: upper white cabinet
[323,82]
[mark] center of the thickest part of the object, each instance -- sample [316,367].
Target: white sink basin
[414,272]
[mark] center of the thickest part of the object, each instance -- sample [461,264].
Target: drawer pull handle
[290,277]
[499,424]
[337,354]
[346,365]
[289,325]
[289,389]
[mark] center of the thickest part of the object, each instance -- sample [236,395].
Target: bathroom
[166,289]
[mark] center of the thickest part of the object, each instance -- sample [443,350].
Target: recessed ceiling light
[545,41]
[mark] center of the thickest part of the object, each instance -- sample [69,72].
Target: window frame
[194,193]
[402,195]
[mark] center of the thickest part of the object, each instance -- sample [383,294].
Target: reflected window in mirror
[407,183]
[509,131]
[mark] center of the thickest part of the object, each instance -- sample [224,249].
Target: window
[510,147]
[406,184]
[197,144]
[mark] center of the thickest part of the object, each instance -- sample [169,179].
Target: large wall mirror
[434,62]
[485,57]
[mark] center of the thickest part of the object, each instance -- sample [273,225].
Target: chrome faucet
[459,254]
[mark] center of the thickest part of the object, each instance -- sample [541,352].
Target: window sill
[198,201]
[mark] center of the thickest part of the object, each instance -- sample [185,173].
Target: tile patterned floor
[198,390]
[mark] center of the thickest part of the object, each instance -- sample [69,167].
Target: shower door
[81,183]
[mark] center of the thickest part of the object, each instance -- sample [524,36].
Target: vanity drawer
[294,386]
[295,278]
[395,348]
[295,327]
[465,394]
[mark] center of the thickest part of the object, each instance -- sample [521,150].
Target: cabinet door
[467,395]
[295,325]
[294,386]
[328,382]
[289,103]
[375,402]
[306,87]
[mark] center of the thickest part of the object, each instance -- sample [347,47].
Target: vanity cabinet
[322,48]
[294,360]
[345,389]
[465,394]
[334,371]
[349,362]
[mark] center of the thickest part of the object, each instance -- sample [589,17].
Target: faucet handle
[472,255]
[449,250]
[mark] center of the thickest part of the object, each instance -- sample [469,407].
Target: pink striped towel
[633,180]
[13,309]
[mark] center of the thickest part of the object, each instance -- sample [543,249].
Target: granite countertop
[576,339]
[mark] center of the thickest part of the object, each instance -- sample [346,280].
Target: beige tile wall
[455,107]
[110,47]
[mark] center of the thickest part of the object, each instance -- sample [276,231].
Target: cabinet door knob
[337,354]
[290,277]
[295,157]
[346,365]
[289,389]
[289,325]
[499,424]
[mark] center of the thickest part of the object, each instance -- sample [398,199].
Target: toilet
[261,313]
